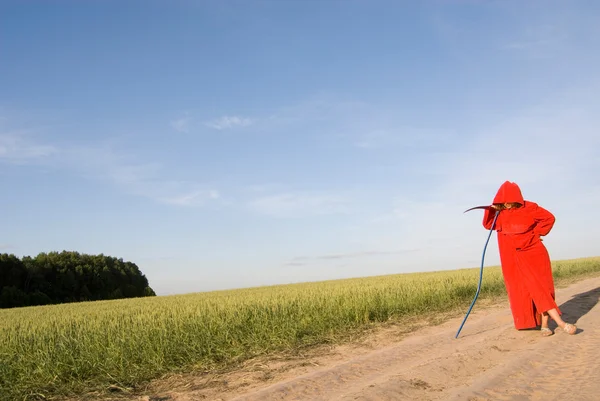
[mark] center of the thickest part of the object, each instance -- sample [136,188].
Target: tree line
[54,278]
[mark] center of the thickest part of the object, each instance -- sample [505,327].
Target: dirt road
[489,361]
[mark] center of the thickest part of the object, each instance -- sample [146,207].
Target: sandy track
[489,361]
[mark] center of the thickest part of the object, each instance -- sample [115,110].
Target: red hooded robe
[525,261]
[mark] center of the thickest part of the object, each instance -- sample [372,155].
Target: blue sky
[224,144]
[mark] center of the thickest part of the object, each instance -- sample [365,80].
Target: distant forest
[54,278]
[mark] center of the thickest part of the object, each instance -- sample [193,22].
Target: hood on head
[509,192]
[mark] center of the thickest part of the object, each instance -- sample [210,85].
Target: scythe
[481,269]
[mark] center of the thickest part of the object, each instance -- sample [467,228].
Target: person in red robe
[525,261]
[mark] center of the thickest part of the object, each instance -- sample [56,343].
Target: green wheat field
[48,352]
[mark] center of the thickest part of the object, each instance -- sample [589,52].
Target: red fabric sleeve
[488,219]
[545,221]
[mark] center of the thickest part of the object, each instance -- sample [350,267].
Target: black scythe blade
[478,207]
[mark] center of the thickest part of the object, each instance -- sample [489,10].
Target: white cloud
[227,122]
[554,143]
[305,260]
[549,150]
[404,208]
[193,198]
[399,136]
[147,179]
[375,139]
[300,204]
[184,123]
[181,124]
[547,35]
[103,162]
[528,45]
[17,148]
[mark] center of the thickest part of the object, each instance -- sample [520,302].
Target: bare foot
[570,328]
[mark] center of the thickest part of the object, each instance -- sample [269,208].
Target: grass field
[74,348]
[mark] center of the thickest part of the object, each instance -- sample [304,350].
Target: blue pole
[480,275]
